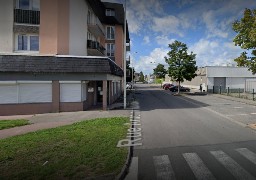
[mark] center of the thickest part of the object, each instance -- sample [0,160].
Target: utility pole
[124,54]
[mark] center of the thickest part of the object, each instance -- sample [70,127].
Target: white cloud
[214,52]
[146,40]
[139,13]
[164,40]
[167,24]
[213,26]
[146,64]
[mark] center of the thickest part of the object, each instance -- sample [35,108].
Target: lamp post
[132,64]
[124,54]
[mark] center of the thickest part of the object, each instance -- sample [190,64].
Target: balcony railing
[96,28]
[26,16]
[96,46]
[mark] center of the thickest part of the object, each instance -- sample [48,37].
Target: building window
[110,32]
[22,43]
[110,49]
[110,12]
[28,4]
[27,42]
[89,17]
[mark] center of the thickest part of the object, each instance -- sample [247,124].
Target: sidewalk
[52,120]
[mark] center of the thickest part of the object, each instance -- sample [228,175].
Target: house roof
[58,64]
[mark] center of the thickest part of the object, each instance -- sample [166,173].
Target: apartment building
[60,55]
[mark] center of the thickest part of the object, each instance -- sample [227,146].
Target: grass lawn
[76,151]
[5,124]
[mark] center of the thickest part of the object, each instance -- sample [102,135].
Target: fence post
[228,91]
[253,94]
[220,89]
[239,92]
[212,89]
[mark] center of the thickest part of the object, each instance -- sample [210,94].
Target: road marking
[211,110]
[238,107]
[253,113]
[251,156]
[232,166]
[163,167]
[133,170]
[198,167]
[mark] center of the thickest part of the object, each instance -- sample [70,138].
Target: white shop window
[70,91]
[35,93]
[8,93]
[12,92]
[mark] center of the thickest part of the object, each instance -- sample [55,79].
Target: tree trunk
[179,88]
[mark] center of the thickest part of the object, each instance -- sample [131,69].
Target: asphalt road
[193,137]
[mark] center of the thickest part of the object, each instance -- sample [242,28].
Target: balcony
[96,28]
[26,16]
[94,48]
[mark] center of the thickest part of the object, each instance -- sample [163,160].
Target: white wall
[6,26]
[78,28]
[224,71]
[210,82]
[235,83]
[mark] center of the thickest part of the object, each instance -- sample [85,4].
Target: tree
[160,71]
[246,39]
[181,64]
[141,78]
[129,73]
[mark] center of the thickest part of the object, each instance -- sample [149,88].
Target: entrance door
[99,91]
[220,81]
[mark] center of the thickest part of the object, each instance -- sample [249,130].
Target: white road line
[133,170]
[163,168]
[198,167]
[251,156]
[238,107]
[253,113]
[232,166]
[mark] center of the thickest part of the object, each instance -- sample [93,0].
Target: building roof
[58,64]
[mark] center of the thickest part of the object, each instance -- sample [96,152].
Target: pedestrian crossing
[163,165]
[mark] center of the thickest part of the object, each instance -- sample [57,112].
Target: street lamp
[133,72]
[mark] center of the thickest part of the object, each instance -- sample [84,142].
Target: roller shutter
[35,92]
[70,92]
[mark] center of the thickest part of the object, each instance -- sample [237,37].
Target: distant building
[60,55]
[221,76]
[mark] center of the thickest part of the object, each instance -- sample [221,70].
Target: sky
[205,26]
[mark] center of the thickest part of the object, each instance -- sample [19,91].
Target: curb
[127,164]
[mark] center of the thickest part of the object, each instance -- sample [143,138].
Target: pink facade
[119,45]
[54,27]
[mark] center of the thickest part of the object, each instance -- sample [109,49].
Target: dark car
[182,89]
[167,86]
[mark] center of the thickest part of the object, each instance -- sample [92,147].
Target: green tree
[246,39]
[129,73]
[160,71]
[182,66]
[141,78]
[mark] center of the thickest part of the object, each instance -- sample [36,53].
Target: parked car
[182,89]
[166,86]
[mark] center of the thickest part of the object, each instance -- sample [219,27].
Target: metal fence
[236,92]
